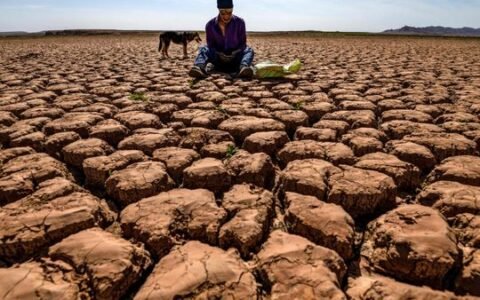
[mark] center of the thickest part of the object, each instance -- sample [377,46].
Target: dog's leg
[167,45]
[161,47]
[185,54]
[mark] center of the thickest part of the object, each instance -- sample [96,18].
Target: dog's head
[197,38]
[193,36]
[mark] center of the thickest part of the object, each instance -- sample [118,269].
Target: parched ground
[357,178]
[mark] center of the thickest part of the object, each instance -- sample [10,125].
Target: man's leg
[204,56]
[247,57]
[246,69]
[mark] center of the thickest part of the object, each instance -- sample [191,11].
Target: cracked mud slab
[179,214]
[56,210]
[293,267]
[250,210]
[199,271]
[137,181]
[412,243]
[111,264]
[42,280]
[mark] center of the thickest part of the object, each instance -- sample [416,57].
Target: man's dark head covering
[224,4]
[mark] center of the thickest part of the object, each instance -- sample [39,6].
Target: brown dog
[177,38]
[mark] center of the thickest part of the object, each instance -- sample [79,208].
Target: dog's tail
[160,45]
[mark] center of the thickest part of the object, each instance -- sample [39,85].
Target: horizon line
[252,31]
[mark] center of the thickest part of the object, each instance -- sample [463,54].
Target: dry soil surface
[357,178]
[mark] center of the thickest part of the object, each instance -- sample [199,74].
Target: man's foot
[209,68]
[197,72]
[245,72]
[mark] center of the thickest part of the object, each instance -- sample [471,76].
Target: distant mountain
[96,32]
[14,33]
[435,30]
[75,32]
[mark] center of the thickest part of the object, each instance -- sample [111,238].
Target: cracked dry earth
[357,178]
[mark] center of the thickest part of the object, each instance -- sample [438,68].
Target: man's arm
[243,36]
[208,32]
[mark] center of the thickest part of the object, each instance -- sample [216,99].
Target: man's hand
[224,57]
[228,58]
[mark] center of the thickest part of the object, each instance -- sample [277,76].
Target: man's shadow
[225,75]
[231,78]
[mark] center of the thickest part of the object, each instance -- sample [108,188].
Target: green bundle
[268,69]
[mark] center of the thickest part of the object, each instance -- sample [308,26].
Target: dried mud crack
[357,178]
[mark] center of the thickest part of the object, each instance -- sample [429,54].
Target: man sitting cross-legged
[226,45]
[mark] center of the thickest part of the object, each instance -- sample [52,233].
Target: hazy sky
[260,15]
